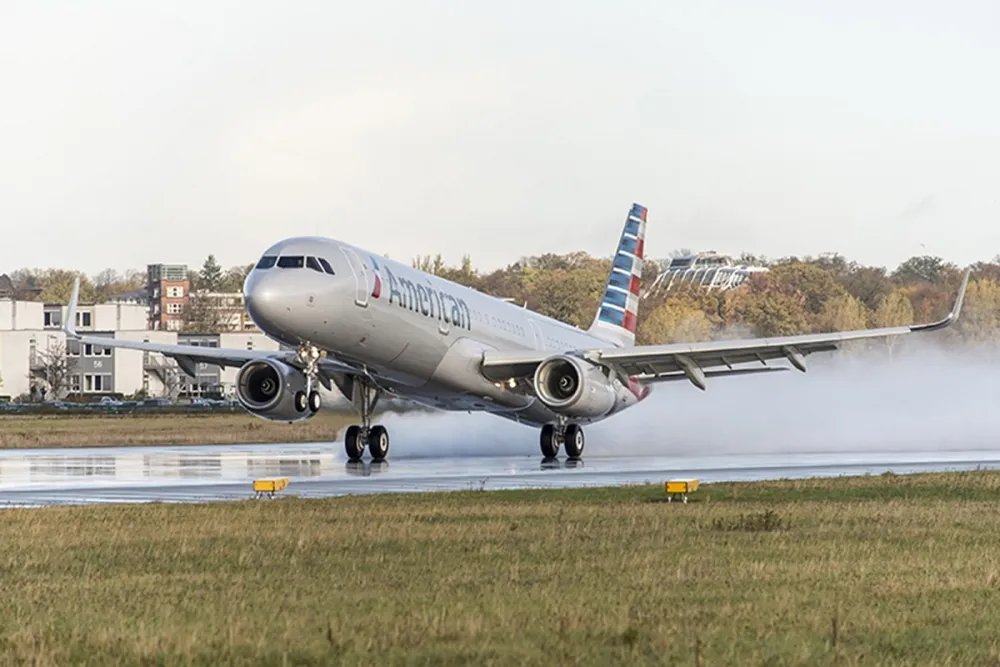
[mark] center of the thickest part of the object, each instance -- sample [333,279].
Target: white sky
[133,133]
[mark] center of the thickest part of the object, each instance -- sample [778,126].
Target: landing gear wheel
[549,441]
[573,441]
[301,402]
[314,401]
[378,442]
[354,442]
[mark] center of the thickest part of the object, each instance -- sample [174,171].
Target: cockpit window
[291,262]
[266,262]
[326,265]
[313,264]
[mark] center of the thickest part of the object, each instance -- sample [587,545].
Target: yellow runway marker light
[270,486]
[680,488]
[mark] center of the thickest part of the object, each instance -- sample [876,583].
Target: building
[36,359]
[220,311]
[706,269]
[167,287]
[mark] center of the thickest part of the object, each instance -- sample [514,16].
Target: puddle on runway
[125,466]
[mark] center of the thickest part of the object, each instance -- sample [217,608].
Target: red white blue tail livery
[618,312]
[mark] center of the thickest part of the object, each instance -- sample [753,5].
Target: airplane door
[362,281]
[539,339]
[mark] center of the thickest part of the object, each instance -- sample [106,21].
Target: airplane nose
[264,301]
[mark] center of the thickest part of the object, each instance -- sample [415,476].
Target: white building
[35,356]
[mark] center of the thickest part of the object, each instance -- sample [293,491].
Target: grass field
[34,431]
[854,571]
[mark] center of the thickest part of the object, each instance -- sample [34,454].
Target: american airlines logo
[423,299]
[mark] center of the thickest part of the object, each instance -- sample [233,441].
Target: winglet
[69,324]
[955,309]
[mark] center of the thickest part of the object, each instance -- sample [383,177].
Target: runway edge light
[269,486]
[680,487]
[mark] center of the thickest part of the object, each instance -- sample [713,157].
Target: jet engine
[574,387]
[273,390]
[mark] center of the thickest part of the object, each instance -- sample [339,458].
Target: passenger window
[313,264]
[266,262]
[296,262]
[326,266]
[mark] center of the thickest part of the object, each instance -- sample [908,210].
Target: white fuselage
[417,335]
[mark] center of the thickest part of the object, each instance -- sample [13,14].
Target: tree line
[797,295]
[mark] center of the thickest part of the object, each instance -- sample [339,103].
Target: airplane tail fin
[618,311]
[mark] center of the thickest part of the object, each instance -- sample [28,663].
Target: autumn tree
[980,320]
[57,286]
[925,269]
[673,321]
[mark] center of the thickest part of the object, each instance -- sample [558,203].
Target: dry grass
[34,431]
[883,570]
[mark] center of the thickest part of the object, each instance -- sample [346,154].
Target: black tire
[573,441]
[314,401]
[354,443]
[301,402]
[549,441]
[378,442]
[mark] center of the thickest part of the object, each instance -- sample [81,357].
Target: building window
[74,383]
[174,308]
[94,382]
[83,319]
[175,292]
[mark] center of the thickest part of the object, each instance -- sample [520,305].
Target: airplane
[373,327]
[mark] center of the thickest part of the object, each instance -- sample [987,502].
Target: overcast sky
[134,133]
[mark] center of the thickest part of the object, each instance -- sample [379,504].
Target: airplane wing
[654,363]
[188,356]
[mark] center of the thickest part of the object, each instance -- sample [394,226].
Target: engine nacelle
[574,387]
[273,390]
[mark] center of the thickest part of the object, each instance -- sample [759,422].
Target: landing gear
[364,396]
[309,356]
[573,439]
[569,435]
[550,441]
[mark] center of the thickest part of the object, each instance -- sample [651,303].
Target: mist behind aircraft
[923,398]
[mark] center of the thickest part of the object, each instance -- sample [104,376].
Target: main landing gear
[568,435]
[364,396]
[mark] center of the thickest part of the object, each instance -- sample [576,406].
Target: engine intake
[574,387]
[273,390]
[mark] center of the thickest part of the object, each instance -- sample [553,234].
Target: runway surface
[191,474]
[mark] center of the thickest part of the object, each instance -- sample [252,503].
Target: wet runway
[192,474]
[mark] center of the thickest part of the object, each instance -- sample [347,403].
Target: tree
[843,313]
[868,284]
[57,286]
[210,276]
[980,320]
[673,321]
[234,278]
[894,310]
[55,367]
[921,269]
[201,316]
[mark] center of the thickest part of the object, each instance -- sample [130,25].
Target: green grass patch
[119,430]
[887,570]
